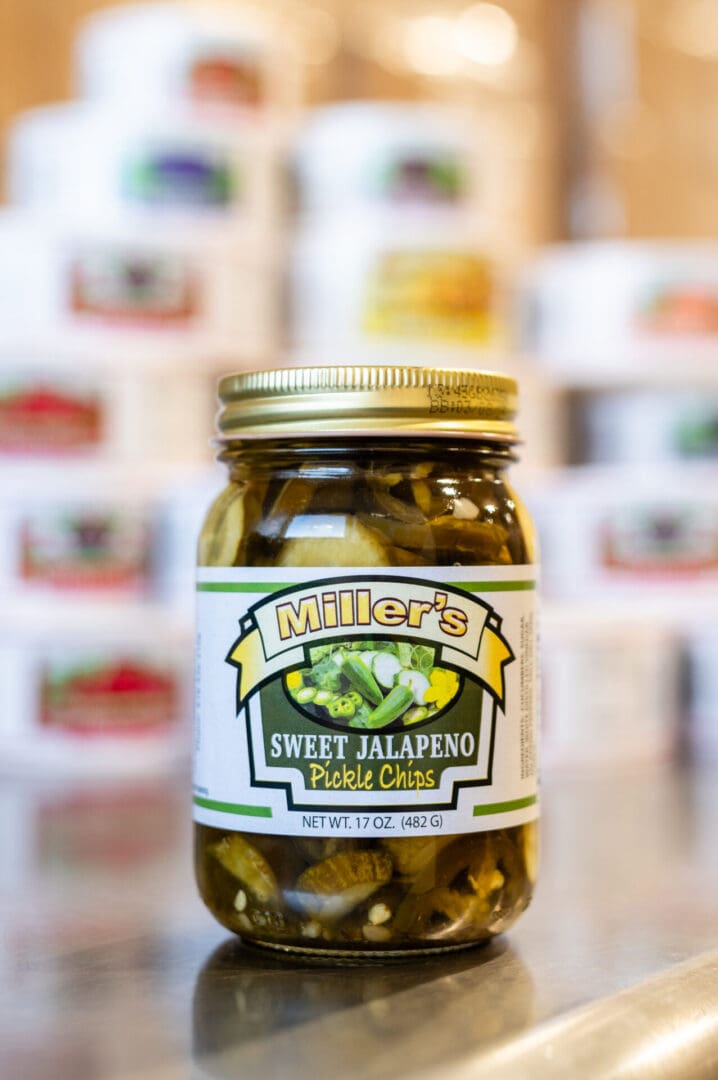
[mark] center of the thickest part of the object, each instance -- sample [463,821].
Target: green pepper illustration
[362,679]
[342,708]
[394,704]
[305,695]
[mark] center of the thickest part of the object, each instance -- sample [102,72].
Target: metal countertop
[110,969]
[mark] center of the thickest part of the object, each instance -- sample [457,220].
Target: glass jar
[365,777]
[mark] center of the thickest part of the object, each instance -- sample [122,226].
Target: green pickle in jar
[365,760]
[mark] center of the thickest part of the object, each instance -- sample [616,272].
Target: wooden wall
[36,39]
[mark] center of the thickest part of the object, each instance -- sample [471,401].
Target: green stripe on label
[233,808]
[241,586]
[494,586]
[275,586]
[505,807]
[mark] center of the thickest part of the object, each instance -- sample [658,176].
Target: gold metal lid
[371,400]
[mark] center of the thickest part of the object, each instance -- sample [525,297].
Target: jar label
[689,308]
[183,178]
[77,548]
[40,415]
[365,703]
[423,177]
[225,78]
[115,695]
[441,295]
[134,286]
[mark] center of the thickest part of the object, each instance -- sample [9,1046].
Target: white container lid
[67,355]
[209,53]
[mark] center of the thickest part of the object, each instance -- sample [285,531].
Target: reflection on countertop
[250,1008]
[111,968]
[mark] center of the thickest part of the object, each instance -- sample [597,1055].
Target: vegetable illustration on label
[368,684]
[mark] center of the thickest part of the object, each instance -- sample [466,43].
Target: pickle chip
[222,533]
[397,509]
[314,850]
[458,893]
[294,498]
[357,547]
[442,913]
[247,865]
[329,890]
[412,854]
[483,538]
[531,850]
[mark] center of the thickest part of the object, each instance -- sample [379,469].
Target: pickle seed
[376,933]
[465,510]
[240,900]
[312,929]
[378,914]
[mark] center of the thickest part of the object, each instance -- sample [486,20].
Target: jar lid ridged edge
[366,399]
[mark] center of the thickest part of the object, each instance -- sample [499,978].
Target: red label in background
[660,543]
[78,551]
[225,79]
[38,418]
[127,697]
[681,310]
[138,288]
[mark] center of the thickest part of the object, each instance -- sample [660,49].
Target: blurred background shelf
[196,188]
[677,369]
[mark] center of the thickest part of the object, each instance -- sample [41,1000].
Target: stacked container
[394,255]
[400,252]
[140,257]
[630,330]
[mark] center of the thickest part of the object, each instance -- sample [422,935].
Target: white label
[358,703]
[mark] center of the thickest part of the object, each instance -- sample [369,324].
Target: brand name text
[358,608]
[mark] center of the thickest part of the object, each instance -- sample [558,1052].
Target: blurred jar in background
[604,307]
[393,252]
[207,54]
[153,161]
